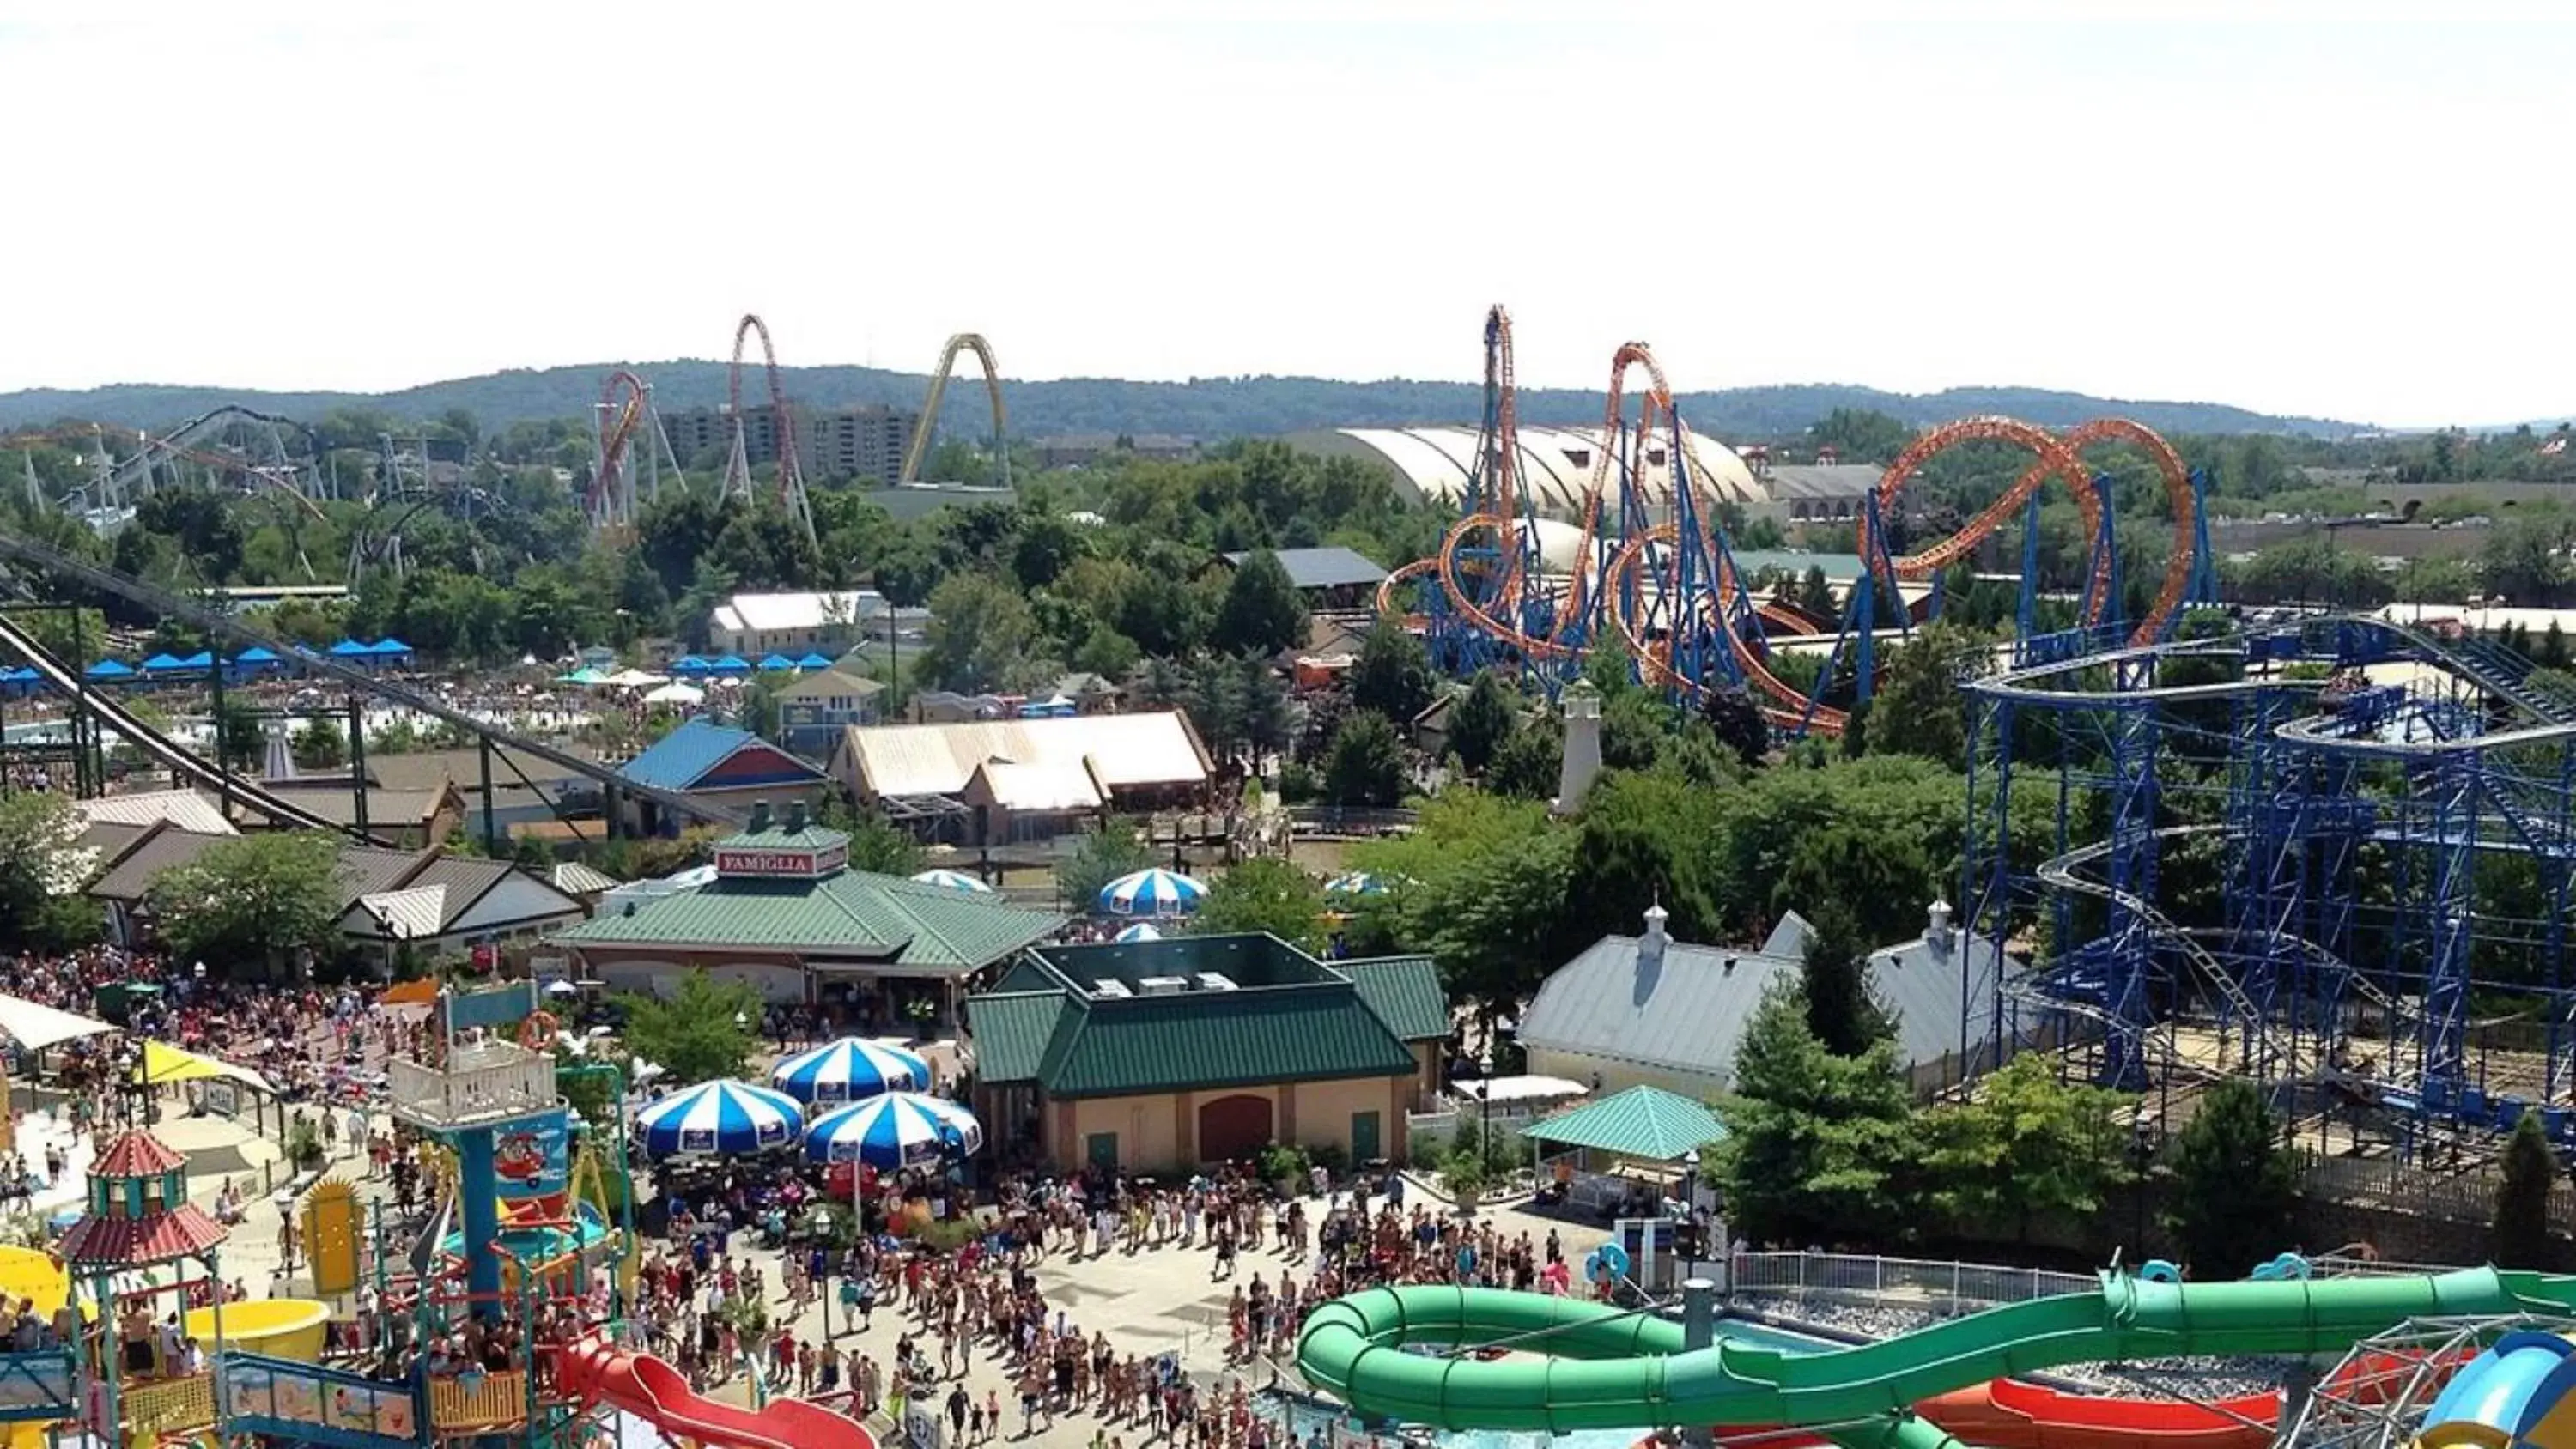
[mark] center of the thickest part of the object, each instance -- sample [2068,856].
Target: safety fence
[1912,1282]
[2384,1182]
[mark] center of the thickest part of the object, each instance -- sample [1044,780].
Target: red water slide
[594,1372]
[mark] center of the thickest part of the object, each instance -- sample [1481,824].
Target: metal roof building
[1150,752]
[1557,464]
[1650,1010]
[1322,568]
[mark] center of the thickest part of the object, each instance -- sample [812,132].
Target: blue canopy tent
[690,666]
[164,664]
[350,651]
[256,660]
[776,664]
[109,669]
[19,683]
[201,662]
[813,661]
[391,650]
[731,666]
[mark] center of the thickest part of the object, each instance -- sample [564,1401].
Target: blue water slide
[2498,1394]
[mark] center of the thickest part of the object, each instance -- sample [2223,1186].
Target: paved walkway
[1151,1302]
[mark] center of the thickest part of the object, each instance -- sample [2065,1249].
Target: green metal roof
[1405,992]
[1644,1122]
[852,914]
[1011,1031]
[1208,1040]
[812,837]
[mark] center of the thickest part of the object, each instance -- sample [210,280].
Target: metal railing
[2385,1182]
[486,1401]
[1905,1282]
[168,1406]
[486,1082]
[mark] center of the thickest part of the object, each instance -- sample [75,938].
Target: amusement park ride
[527,1251]
[2359,803]
[1655,571]
[737,473]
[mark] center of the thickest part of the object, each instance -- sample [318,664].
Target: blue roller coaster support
[2026,608]
[2203,588]
[2130,963]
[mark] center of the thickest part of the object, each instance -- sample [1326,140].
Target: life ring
[537,1033]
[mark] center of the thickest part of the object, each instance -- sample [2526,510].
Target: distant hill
[1205,408]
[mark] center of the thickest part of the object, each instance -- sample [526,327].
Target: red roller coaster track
[791,478]
[2058,457]
[617,435]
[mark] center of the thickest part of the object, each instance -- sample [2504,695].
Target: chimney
[759,817]
[1582,705]
[1937,922]
[1650,946]
[795,816]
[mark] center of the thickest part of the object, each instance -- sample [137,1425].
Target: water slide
[2513,1395]
[595,1372]
[1607,1369]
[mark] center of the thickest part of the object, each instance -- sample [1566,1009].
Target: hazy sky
[2340,209]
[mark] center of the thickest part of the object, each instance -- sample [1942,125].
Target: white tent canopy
[634,679]
[676,693]
[36,1026]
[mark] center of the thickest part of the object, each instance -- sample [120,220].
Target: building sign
[740,861]
[533,1156]
[221,1098]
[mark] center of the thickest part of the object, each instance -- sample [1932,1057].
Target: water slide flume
[593,1371]
[1605,1369]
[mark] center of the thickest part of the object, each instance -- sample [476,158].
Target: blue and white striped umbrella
[955,880]
[897,1130]
[850,1070]
[1355,883]
[1154,892]
[718,1119]
[1141,931]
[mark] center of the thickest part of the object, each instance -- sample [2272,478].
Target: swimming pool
[1312,1420]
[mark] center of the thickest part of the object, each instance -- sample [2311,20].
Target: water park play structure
[526,1241]
[1582,1365]
[1653,569]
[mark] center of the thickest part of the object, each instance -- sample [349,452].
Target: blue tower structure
[480,1086]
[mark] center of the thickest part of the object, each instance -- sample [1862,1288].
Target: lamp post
[1485,1104]
[2142,1154]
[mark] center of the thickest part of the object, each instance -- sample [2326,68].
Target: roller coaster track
[159,746]
[2059,873]
[919,447]
[174,606]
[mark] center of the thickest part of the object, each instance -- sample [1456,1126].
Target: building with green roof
[1156,1055]
[786,915]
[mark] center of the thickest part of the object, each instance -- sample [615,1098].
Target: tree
[702,1032]
[1820,1146]
[320,744]
[982,636]
[1262,612]
[42,869]
[2234,1191]
[1737,721]
[1102,857]
[878,844]
[1365,765]
[2028,1145]
[1268,894]
[1918,706]
[267,898]
[2521,1238]
[1481,721]
[1495,923]
[241,738]
[1530,762]
[1833,977]
[1392,674]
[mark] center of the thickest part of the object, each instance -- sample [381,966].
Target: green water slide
[1605,1369]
